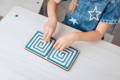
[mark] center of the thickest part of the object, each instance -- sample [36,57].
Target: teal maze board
[63,59]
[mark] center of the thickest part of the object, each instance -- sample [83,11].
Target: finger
[45,35]
[62,48]
[58,46]
[55,45]
[45,30]
[48,36]
[67,47]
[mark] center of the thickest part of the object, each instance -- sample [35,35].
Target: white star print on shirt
[96,12]
[74,21]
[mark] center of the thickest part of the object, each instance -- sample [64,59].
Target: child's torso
[87,14]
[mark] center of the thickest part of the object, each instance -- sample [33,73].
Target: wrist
[52,23]
[76,36]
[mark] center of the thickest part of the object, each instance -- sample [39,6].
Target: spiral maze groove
[63,59]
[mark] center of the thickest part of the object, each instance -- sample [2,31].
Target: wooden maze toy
[63,59]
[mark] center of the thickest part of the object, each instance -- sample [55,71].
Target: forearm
[88,36]
[51,9]
[93,35]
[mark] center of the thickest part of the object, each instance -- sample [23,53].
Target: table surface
[98,60]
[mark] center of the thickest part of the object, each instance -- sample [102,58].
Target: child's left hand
[65,41]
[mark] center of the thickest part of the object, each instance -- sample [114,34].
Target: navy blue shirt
[89,13]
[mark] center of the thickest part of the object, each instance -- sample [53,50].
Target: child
[92,17]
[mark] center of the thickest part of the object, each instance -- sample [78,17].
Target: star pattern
[94,15]
[73,20]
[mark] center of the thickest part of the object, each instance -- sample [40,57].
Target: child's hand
[65,41]
[48,31]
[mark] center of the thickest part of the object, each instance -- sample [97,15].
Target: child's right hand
[48,31]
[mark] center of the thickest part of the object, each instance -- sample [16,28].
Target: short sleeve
[111,13]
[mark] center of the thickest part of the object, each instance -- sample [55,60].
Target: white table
[97,60]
